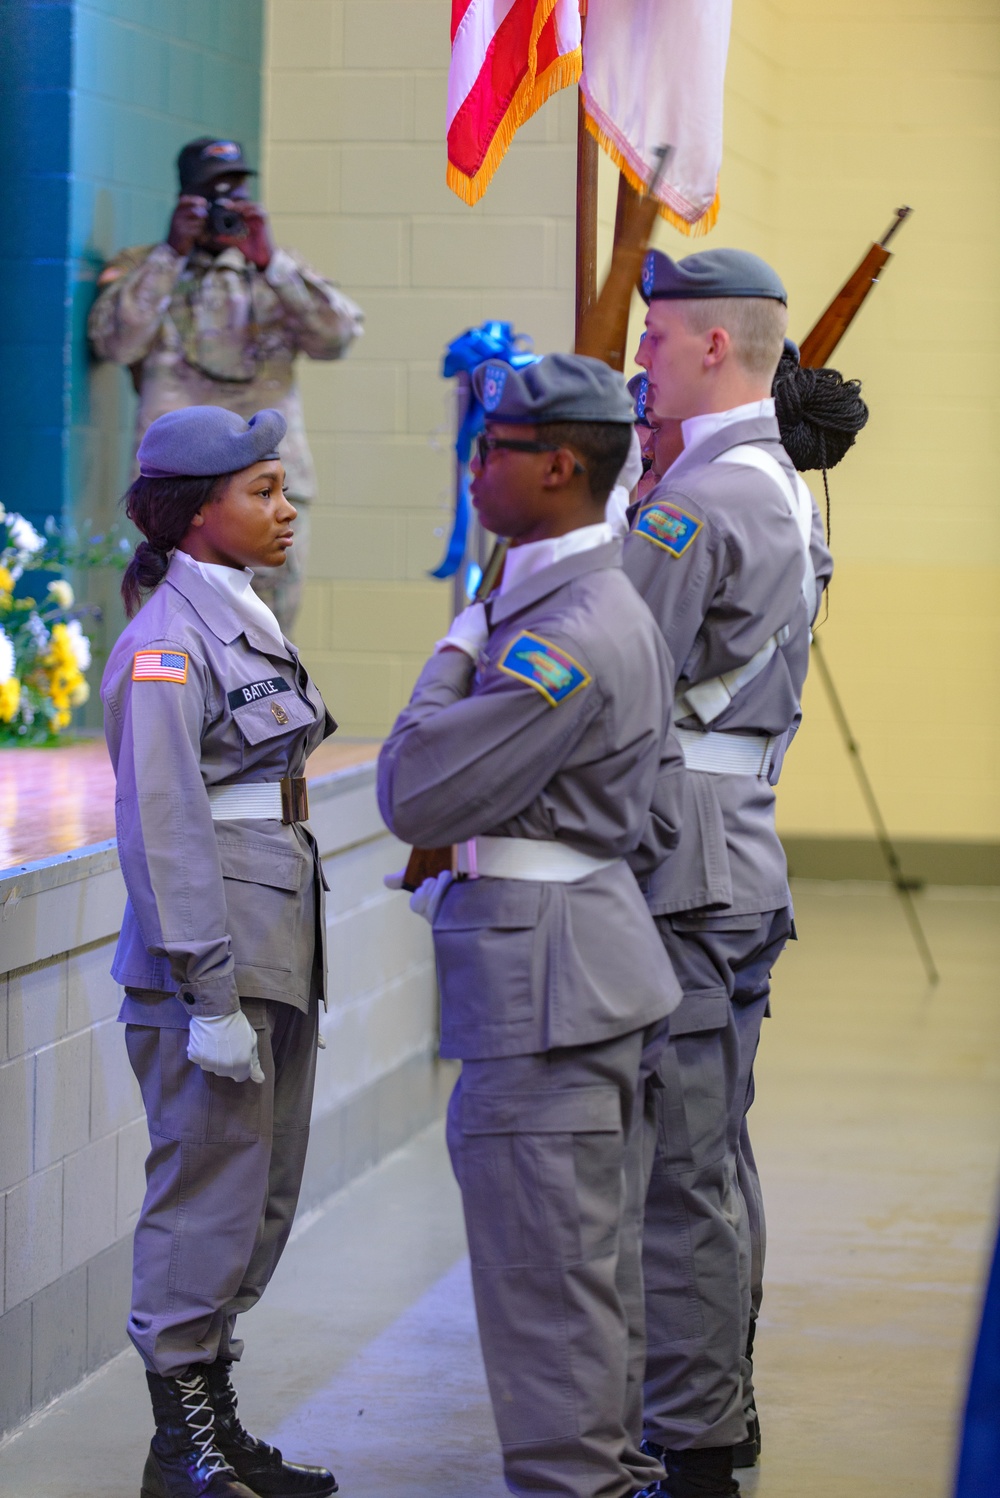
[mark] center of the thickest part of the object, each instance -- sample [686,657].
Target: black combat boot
[745,1453]
[703,1473]
[184,1460]
[260,1466]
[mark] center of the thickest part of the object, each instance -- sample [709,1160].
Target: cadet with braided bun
[728,552]
[210,717]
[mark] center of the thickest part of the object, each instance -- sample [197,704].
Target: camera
[224,222]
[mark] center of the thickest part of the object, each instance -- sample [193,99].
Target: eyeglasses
[486,445]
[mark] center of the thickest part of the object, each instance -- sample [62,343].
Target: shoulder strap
[798,499]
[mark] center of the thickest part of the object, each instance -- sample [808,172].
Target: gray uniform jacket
[558,735]
[216,331]
[217,910]
[728,578]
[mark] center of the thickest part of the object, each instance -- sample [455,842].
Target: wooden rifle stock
[835,321]
[604,328]
[428,863]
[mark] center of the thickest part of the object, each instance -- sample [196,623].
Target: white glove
[394,881]
[631,471]
[225,1044]
[427,899]
[468,632]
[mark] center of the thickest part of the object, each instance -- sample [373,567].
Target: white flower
[39,633]
[62,593]
[6,657]
[79,643]
[24,535]
[3,513]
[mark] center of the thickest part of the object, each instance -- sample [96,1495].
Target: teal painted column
[147,76]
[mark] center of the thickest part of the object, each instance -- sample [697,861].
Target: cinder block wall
[355,178]
[833,118]
[72,1132]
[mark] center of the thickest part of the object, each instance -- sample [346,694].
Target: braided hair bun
[819,412]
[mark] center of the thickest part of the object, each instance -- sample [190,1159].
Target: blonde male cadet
[215,316]
[728,552]
[538,740]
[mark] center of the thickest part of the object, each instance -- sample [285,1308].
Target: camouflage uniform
[215,331]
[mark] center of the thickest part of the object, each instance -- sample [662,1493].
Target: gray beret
[638,389]
[557,387]
[711,273]
[203,440]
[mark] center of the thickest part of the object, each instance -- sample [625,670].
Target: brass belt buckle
[294,799]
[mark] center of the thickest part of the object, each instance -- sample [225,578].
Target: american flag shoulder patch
[160,665]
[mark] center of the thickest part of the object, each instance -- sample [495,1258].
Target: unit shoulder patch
[668,527]
[160,665]
[544,666]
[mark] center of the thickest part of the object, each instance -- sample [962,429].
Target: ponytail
[163,510]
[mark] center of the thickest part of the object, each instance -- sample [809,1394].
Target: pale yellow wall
[354,174]
[834,116]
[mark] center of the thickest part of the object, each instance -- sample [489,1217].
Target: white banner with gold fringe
[653,75]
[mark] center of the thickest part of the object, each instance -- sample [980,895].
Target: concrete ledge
[350,1139]
[923,859]
[74,1325]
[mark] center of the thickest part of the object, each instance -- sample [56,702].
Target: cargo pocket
[697,1073]
[187,1104]
[541,1176]
[283,712]
[491,966]
[262,885]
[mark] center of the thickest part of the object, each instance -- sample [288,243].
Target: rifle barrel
[902,214]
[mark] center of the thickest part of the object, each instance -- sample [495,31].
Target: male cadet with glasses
[729,555]
[538,741]
[215,315]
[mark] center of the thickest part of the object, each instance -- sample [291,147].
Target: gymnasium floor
[877,1127]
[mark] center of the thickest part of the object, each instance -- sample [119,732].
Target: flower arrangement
[44,653]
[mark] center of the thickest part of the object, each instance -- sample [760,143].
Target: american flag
[507,57]
[160,665]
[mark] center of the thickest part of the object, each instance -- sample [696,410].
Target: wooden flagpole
[586,206]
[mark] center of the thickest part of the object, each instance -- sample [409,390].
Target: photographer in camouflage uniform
[215,315]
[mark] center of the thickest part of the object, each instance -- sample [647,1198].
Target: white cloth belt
[525,858]
[707,699]
[728,753]
[234,802]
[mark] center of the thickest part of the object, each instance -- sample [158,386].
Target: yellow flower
[67,685]
[6,581]
[10,699]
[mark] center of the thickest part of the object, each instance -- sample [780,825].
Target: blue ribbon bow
[492,340]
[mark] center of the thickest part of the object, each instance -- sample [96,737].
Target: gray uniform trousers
[703,1235]
[552,1154]
[222,1183]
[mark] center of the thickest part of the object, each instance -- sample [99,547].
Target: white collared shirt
[523,562]
[698,429]
[233,583]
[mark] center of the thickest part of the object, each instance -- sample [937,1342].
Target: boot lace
[199,1418]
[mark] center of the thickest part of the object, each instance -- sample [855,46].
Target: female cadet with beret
[210,717]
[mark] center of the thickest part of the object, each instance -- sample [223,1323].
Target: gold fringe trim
[533,90]
[607,143]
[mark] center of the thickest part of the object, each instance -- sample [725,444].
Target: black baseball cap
[204,160]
